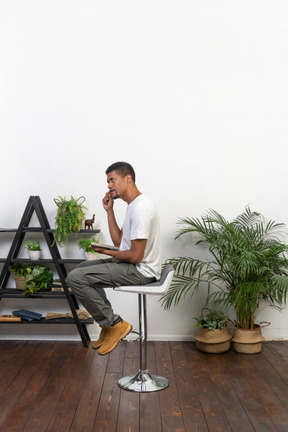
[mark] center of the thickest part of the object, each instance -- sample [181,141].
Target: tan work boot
[114,334]
[101,338]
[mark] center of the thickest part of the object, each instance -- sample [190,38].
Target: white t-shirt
[142,222]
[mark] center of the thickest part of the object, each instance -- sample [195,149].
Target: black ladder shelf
[34,205]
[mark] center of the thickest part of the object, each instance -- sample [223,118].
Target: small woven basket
[20,282]
[247,341]
[213,341]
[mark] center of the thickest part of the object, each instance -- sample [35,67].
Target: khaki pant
[89,279]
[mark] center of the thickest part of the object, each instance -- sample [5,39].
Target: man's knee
[73,278]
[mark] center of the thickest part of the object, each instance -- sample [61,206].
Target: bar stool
[143,381]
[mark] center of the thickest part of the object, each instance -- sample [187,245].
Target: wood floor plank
[116,358]
[150,419]
[170,407]
[42,371]
[22,377]
[74,386]
[274,380]
[108,408]
[61,421]
[89,401]
[213,411]
[12,359]
[107,414]
[44,407]
[128,416]
[238,369]
[271,403]
[280,349]
[193,416]
[276,355]
[132,349]
[235,413]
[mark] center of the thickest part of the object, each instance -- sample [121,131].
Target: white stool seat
[143,381]
[154,288]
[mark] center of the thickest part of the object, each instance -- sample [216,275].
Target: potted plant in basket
[89,253]
[19,272]
[69,217]
[247,268]
[212,335]
[34,250]
[34,277]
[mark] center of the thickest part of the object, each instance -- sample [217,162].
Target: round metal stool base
[143,382]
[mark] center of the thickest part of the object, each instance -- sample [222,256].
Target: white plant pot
[89,256]
[34,255]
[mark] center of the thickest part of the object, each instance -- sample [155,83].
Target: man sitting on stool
[136,263]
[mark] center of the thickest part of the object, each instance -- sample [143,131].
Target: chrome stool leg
[143,381]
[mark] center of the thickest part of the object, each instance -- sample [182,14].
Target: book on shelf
[27,315]
[9,317]
[59,289]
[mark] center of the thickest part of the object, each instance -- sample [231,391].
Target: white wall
[192,93]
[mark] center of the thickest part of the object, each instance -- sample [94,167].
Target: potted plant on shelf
[247,268]
[89,253]
[34,277]
[69,217]
[212,335]
[19,272]
[34,250]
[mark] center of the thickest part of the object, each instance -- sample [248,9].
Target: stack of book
[27,315]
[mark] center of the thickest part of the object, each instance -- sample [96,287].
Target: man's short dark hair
[122,168]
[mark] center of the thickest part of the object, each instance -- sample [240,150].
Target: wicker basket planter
[213,341]
[20,282]
[247,341]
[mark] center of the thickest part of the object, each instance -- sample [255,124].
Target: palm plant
[247,265]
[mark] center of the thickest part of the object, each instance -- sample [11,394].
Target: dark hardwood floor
[63,387]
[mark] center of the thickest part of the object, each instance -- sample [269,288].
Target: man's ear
[128,178]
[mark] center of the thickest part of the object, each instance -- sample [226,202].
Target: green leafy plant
[213,320]
[69,217]
[33,246]
[36,277]
[84,243]
[247,265]
[18,269]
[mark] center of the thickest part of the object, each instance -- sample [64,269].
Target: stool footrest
[136,339]
[143,382]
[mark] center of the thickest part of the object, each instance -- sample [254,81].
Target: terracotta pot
[213,341]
